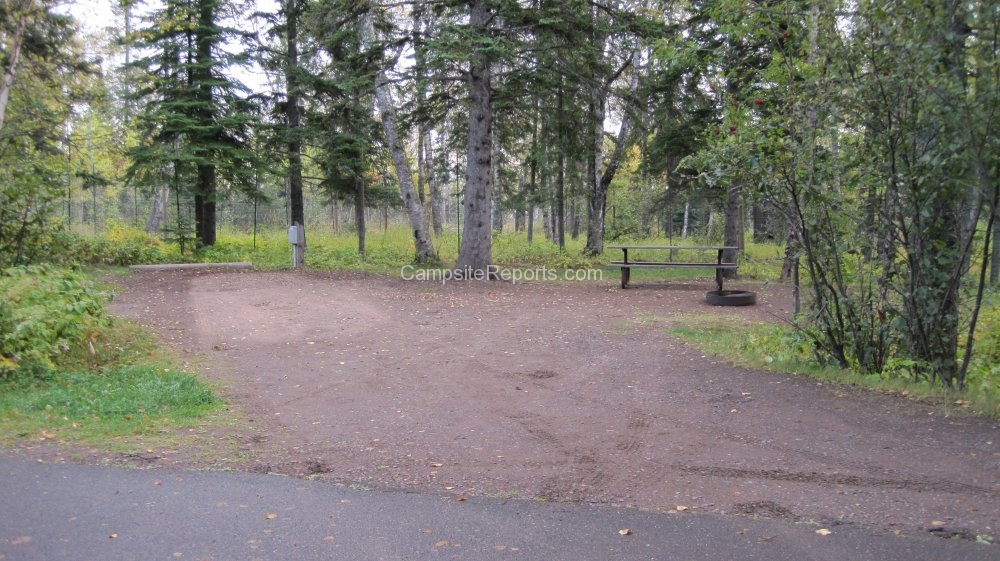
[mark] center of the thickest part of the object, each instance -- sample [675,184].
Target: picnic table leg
[625,275]
[718,272]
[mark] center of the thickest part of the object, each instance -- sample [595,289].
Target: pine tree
[196,124]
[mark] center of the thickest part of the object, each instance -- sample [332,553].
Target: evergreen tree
[195,120]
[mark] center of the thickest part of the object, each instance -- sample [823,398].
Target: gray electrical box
[293,235]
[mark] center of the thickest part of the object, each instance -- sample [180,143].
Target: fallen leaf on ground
[20,540]
[437,465]
[681,508]
[625,532]
[271,516]
[823,532]
[113,536]
[442,543]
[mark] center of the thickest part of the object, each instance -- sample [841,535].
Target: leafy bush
[984,371]
[44,312]
[119,245]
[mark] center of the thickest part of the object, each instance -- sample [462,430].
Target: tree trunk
[559,220]
[733,226]
[687,216]
[423,136]
[522,190]
[201,79]
[600,176]
[436,198]
[764,225]
[13,57]
[158,213]
[476,251]
[204,202]
[335,215]
[422,240]
[533,177]
[359,214]
[292,114]
[497,206]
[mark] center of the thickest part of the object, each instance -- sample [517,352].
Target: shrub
[44,312]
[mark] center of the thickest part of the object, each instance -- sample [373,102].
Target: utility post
[297,237]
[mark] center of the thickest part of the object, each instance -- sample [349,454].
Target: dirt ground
[560,392]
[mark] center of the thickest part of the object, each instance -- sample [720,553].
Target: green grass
[129,393]
[387,251]
[782,348]
[92,407]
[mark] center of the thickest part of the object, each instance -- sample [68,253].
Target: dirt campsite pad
[557,391]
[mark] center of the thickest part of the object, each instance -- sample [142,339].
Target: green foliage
[777,347]
[119,246]
[114,384]
[388,251]
[34,168]
[984,372]
[122,401]
[180,232]
[875,171]
[45,312]
[790,349]
[195,121]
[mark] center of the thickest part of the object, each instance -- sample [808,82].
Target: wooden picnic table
[627,265]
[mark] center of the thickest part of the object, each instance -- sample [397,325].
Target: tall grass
[387,251]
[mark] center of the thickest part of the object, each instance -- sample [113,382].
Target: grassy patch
[109,385]
[91,407]
[782,348]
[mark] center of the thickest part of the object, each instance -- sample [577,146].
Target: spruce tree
[195,121]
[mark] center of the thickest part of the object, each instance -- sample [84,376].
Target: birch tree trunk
[601,176]
[687,214]
[158,213]
[995,260]
[433,185]
[13,53]
[421,238]
[476,251]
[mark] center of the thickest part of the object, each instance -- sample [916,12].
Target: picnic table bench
[627,265]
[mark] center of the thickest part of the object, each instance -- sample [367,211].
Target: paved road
[57,512]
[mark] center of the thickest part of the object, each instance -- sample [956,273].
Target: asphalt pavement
[56,512]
